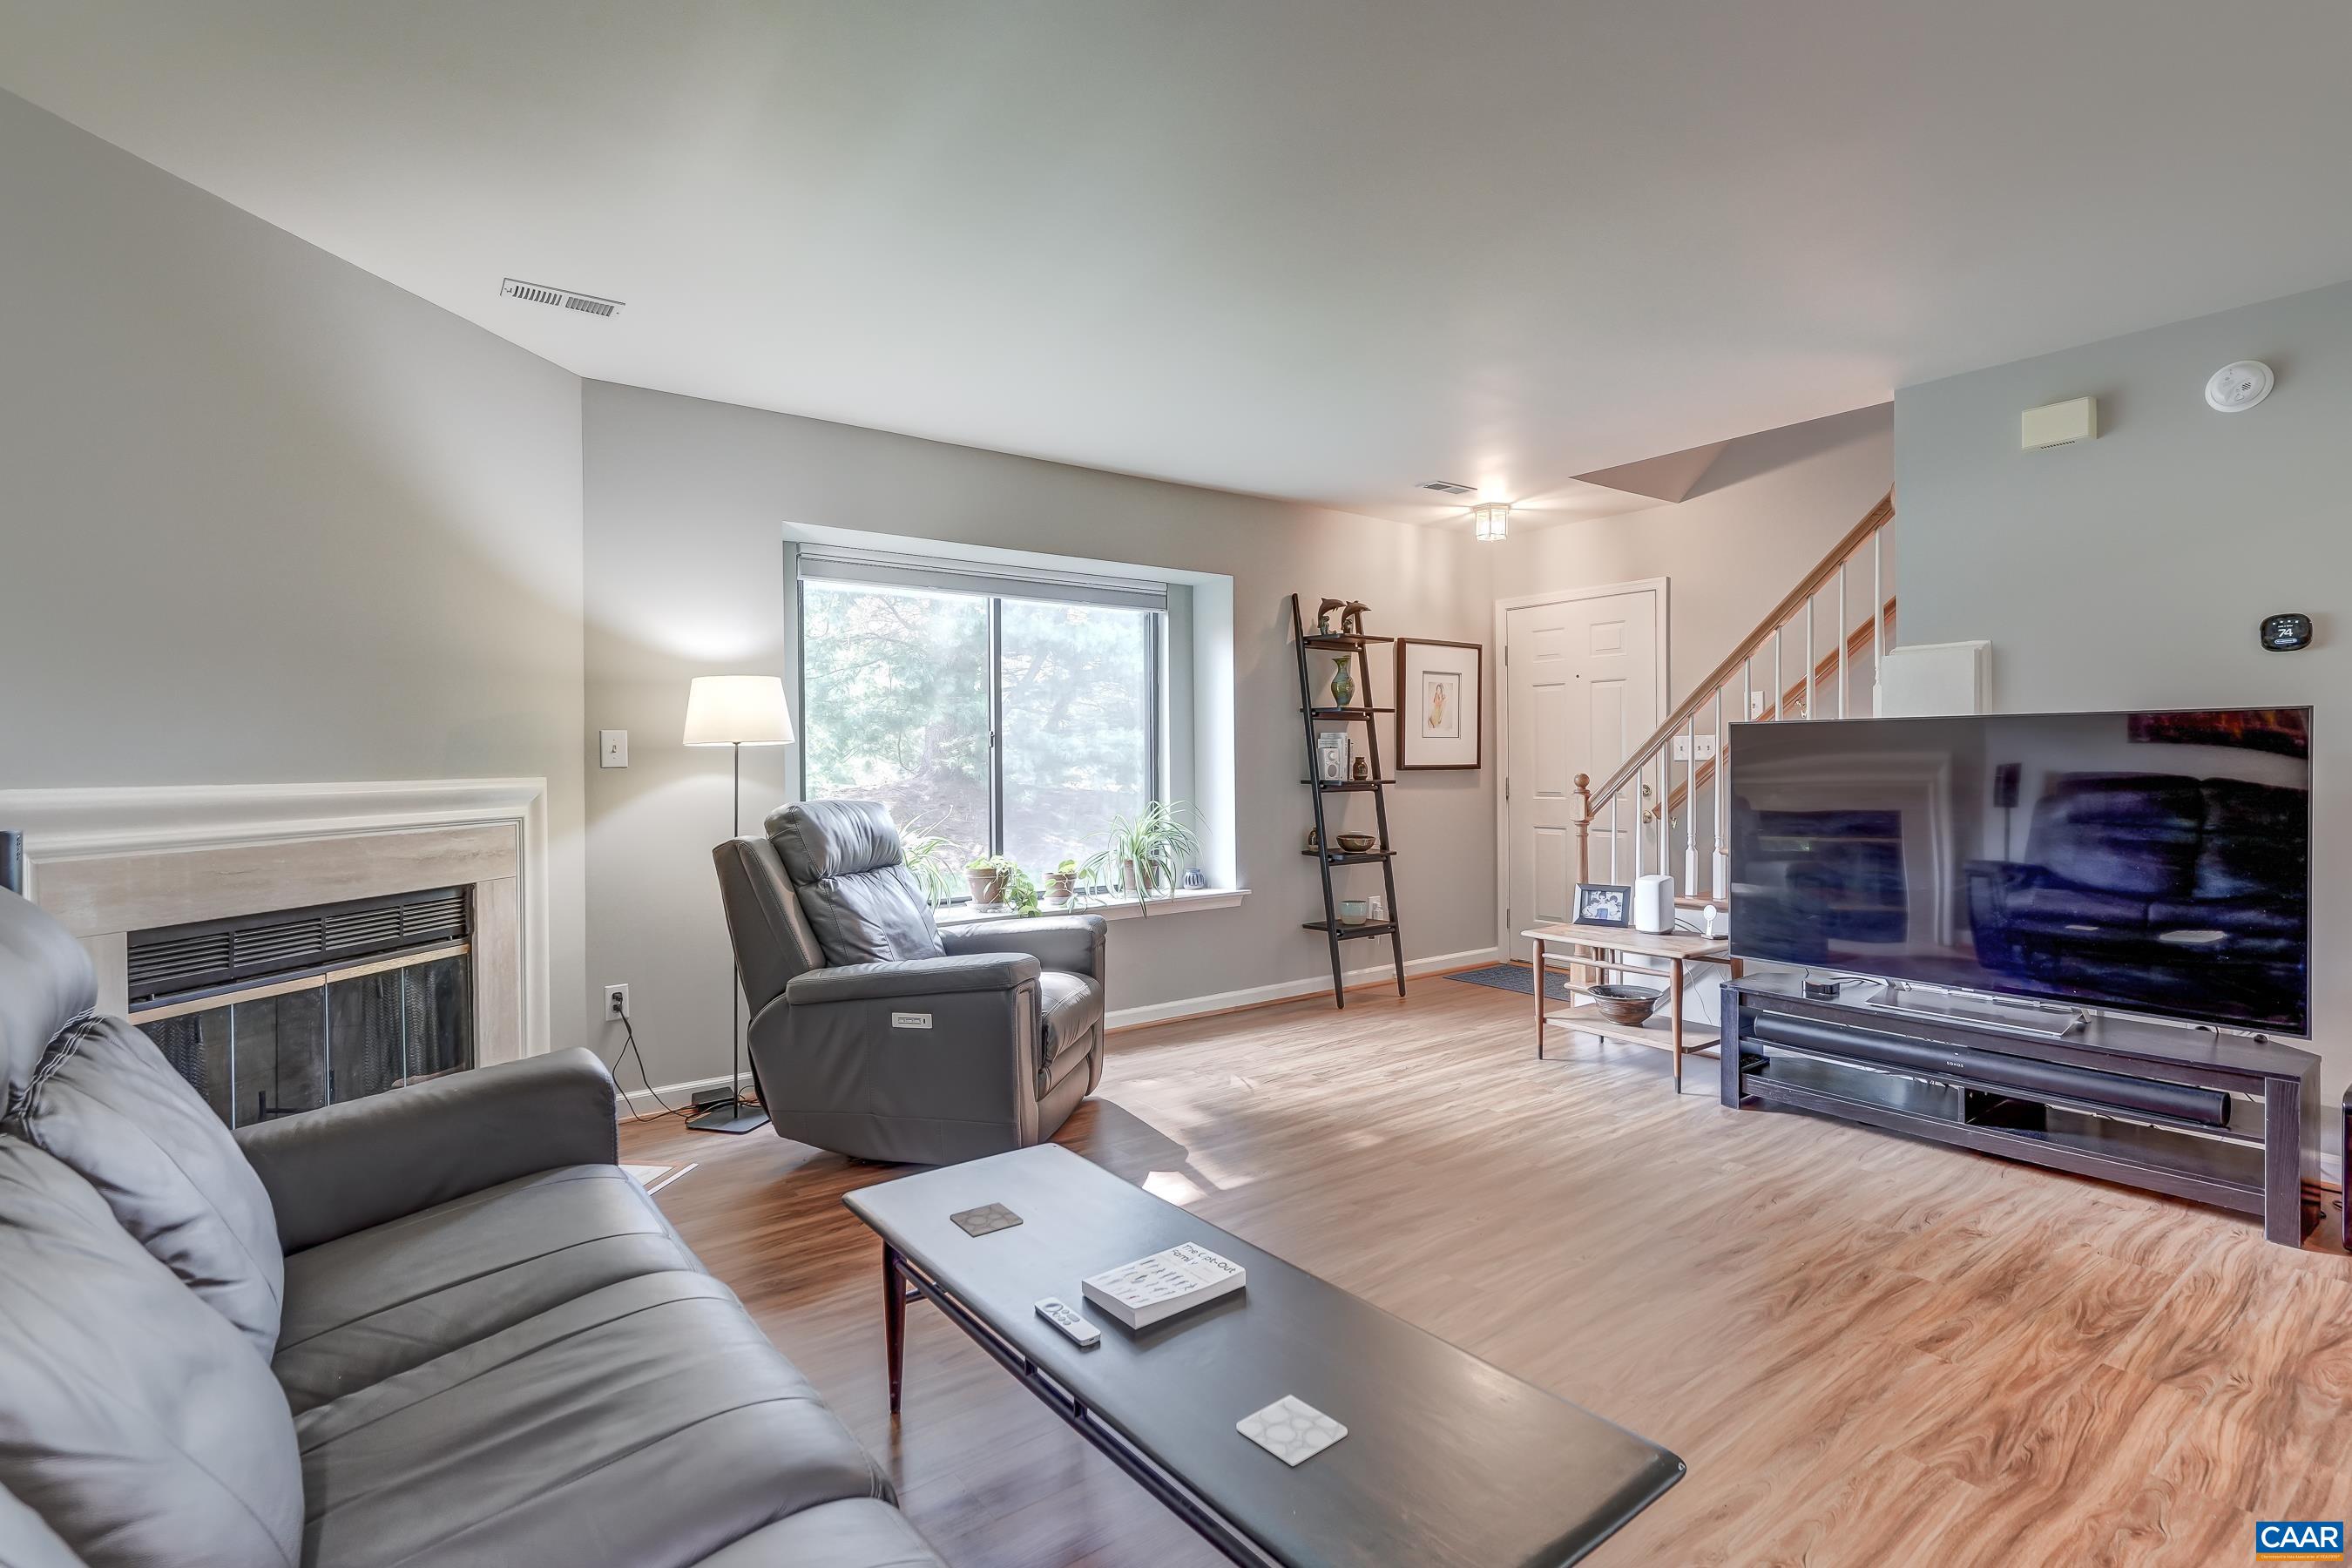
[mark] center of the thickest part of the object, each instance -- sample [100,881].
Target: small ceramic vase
[1343,684]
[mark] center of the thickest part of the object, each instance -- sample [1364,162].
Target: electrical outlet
[616,1002]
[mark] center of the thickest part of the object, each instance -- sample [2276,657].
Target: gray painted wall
[269,519]
[2131,570]
[686,501]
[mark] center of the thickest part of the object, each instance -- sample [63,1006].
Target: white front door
[1583,687]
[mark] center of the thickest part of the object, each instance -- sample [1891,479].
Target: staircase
[1660,811]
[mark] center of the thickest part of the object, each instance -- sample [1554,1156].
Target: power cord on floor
[629,1049]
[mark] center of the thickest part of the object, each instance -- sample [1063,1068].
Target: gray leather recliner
[877,1035]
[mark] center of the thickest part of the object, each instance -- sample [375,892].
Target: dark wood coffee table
[1446,1461]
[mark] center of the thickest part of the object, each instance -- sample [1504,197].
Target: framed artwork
[1603,904]
[1440,711]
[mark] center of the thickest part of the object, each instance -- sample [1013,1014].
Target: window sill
[1183,901]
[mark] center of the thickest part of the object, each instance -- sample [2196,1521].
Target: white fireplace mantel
[115,859]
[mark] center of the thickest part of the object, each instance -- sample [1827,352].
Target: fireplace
[271,1014]
[411,935]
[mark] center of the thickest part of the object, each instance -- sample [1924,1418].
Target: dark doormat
[1518,977]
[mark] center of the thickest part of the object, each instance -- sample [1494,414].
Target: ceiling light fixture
[1491,521]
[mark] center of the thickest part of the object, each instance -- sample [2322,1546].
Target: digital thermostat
[2286,634]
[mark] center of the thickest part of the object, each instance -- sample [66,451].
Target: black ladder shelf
[1348,646]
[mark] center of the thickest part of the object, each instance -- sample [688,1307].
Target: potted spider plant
[928,856]
[1146,851]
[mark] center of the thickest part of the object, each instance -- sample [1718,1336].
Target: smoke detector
[2235,388]
[1447,487]
[568,298]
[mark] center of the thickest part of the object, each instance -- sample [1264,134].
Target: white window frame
[887,570]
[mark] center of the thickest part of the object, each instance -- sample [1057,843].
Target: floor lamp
[736,710]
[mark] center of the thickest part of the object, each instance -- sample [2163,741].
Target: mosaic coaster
[986,1220]
[1290,1429]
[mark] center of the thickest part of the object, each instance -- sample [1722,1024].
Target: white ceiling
[1322,250]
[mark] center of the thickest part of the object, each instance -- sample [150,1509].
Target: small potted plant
[986,877]
[1062,882]
[999,880]
[1146,851]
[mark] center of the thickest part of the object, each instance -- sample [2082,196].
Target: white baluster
[1718,860]
[1779,686]
[1690,809]
[1877,623]
[1808,655]
[1615,834]
[1840,640]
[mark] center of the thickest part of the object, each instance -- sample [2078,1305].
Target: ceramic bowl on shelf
[1355,843]
[1629,1005]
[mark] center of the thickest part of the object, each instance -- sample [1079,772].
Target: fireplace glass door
[292,1012]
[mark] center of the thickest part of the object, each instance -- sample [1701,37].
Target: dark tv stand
[2143,1104]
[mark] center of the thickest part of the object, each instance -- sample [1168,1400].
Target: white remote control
[1056,1311]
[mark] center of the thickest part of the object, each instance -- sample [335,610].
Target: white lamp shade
[738,710]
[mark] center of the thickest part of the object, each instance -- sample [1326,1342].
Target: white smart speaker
[1654,904]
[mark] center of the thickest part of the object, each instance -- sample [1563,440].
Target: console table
[1597,948]
[2227,1120]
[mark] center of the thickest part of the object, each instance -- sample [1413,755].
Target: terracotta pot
[1061,886]
[987,886]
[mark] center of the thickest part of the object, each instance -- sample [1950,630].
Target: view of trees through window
[897,684]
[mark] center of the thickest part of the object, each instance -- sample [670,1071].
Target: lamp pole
[731,1115]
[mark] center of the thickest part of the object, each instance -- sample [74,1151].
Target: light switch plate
[1683,748]
[612,748]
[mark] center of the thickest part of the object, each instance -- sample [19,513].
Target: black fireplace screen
[390,1007]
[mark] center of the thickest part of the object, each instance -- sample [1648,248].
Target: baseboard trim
[1124,1018]
[641,1102]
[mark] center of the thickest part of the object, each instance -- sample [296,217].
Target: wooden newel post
[1583,828]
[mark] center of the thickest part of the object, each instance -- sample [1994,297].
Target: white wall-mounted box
[1926,680]
[2059,423]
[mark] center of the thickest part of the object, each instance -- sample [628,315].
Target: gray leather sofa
[877,1035]
[436,1326]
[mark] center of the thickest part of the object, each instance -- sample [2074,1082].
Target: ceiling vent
[1447,487]
[540,294]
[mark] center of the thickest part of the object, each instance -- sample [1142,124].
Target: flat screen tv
[2152,862]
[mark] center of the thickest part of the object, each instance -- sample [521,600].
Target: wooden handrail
[1857,643]
[1640,757]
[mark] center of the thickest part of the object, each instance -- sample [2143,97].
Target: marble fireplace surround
[110,861]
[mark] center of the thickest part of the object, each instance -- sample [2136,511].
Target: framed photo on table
[1603,904]
[1440,708]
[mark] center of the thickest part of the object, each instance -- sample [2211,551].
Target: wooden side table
[1591,950]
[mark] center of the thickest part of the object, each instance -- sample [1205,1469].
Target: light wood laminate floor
[1869,1351]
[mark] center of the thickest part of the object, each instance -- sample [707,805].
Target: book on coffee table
[1153,1289]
